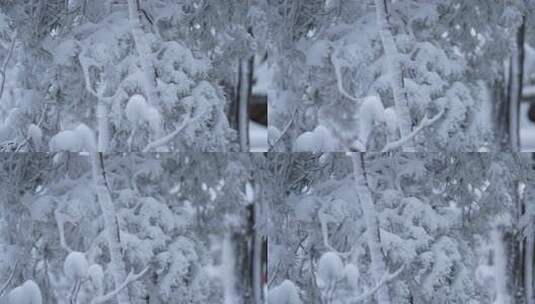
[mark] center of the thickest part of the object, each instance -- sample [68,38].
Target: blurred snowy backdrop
[133,228]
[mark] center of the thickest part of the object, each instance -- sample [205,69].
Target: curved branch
[423,124]
[129,279]
[387,278]
[167,138]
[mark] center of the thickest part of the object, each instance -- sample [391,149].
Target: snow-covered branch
[423,124]
[386,278]
[129,279]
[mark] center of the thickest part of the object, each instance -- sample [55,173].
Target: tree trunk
[395,71]
[500,266]
[515,82]
[245,86]
[111,225]
[378,266]
[500,103]
[228,265]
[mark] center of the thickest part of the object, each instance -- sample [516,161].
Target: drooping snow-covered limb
[9,279]
[394,66]
[517,73]
[111,225]
[144,55]
[60,221]
[339,79]
[378,267]
[4,65]
[129,279]
[423,124]
[386,278]
[167,138]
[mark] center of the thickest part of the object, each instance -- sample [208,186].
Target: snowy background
[136,228]
[402,228]
[131,75]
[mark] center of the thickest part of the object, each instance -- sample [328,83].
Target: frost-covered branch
[386,278]
[167,138]
[129,279]
[423,124]
[9,279]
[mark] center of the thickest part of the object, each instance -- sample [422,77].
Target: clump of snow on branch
[320,139]
[330,269]
[75,266]
[27,293]
[79,139]
[284,293]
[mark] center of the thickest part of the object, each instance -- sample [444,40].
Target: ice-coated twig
[386,278]
[129,279]
[423,124]
[9,279]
